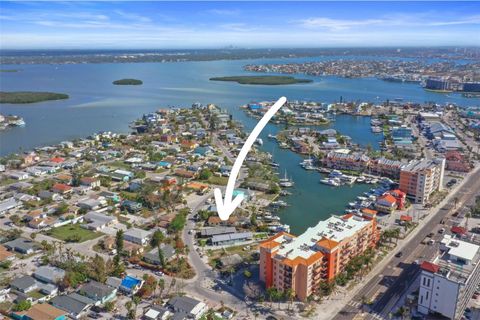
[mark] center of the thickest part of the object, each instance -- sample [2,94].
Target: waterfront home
[386,167]
[386,203]
[9,204]
[40,311]
[129,248]
[98,292]
[346,161]
[75,304]
[402,135]
[36,171]
[189,307]
[138,236]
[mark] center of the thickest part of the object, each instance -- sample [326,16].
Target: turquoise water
[96,105]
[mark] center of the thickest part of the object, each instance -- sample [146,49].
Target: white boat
[271,136]
[285,181]
[362,198]
[335,182]
[348,179]
[361,179]
[283,145]
[309,167]
[259,141]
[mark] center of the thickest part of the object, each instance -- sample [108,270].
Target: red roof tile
[430,267]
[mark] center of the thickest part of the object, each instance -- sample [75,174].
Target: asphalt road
[388,287]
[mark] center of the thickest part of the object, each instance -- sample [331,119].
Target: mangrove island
[128,82]
[19,97]
[267,80]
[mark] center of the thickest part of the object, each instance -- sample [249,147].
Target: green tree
[161,257]
[22,305]
[157,238]
[205,174]
[98,270]
[119,241]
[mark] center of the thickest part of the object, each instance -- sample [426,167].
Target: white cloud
[396,20]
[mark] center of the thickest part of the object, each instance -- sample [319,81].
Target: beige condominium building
[419,179]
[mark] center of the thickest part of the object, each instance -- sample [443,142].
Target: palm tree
[161,287]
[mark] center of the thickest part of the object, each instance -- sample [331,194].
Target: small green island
[9,70]
[19,97]
[265,80]
[128,82]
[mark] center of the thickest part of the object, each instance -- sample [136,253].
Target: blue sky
[157,25]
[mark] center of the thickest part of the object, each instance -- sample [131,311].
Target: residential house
[191,308]
[75,304]
[9,204]
[21,245]
[137,236]
[386,203]
[6,255]
[97,221]
[40,311]
[153,258]
[49,274]
[90,182]
[98,292]
[130,285]
[131,206]
[231,238]
[61,188]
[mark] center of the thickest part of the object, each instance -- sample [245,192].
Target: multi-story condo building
[449,281]
[346,161]
[419,179]
[319,254]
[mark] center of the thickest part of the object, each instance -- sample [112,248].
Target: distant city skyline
[189,25]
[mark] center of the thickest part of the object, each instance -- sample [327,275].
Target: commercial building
[419,179]
[449,281]
[321,253]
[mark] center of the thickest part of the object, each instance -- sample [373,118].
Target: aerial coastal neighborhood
[126,225]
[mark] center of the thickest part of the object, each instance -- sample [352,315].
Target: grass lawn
[221,181]
[73,232]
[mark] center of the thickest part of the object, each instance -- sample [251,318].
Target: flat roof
[334,229]
[460,249]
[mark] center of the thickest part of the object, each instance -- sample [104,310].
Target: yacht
[283,145]
[335,182]
[271,136]
[285,181]
[259,141]
[274,164]
[361,179]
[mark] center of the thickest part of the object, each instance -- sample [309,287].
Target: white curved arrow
[226,206]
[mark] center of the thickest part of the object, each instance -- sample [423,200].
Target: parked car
[399,254]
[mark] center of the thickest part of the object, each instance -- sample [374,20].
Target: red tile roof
[430,267]
[57,160]
[459,230]
[405,218]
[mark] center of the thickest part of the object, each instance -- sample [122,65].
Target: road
[389,283]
